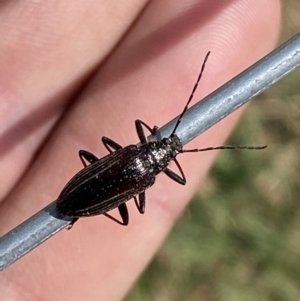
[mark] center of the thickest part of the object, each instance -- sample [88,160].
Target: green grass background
[240,237]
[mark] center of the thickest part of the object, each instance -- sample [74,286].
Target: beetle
[125,173]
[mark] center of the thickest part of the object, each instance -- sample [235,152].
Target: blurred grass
[240,237]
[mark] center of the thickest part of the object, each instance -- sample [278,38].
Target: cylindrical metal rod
[197,119]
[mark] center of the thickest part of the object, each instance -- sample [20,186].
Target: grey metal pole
[197,119]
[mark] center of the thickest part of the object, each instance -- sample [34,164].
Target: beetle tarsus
[124,215]
[83,154]
[70,226]
[110,145]
[141,203]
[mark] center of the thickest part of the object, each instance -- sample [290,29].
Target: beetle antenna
[192,94]
[223,147]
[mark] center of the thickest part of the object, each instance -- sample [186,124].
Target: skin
[73,72]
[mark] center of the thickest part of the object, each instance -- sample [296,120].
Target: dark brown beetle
[125,173]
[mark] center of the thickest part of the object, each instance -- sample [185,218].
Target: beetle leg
[141,203]
[171,174]
[110,145]
[87,156]
[124,215]
[70,226]
[140,131]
